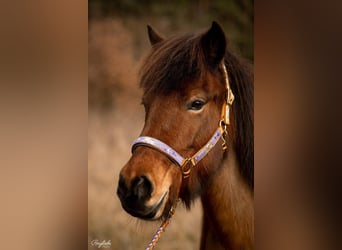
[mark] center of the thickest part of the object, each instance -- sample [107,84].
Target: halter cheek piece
[185,164]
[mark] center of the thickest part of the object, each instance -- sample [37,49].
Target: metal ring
[186,172]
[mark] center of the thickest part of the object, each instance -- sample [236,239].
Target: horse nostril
[122,188]
[142,187]
[140,190]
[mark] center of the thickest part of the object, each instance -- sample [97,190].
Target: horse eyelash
[189,105]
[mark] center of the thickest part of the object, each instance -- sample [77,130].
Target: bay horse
[189,84]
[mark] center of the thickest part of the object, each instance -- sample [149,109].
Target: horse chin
[158,208]
[150,212]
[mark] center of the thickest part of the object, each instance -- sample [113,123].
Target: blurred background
[117,43]
[44,119]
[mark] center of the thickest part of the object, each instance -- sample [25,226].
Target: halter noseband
[185,164]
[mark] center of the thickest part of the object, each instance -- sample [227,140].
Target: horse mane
[241,79]
[174,62]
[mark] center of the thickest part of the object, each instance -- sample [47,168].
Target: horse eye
[196,105]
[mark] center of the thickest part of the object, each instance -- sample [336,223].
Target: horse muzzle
[136,198]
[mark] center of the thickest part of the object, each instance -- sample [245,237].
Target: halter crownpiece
[229,97]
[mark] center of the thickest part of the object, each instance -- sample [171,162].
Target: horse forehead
[165,102]
[207,83]
[155,98]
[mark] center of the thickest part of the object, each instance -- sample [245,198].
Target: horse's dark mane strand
[174,62]
[241,81]
[171,64]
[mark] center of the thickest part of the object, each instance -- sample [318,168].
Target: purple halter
[186,164]
[173,155]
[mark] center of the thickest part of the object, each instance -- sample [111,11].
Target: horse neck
[228,214]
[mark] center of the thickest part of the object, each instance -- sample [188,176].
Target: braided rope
[162,227]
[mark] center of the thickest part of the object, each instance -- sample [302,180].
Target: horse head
[184,92]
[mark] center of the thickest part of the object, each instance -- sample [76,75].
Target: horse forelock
[171,64]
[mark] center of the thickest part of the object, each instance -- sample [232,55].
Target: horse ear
[153,35]
[214,44]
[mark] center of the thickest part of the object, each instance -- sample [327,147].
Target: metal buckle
[187,162]
[224,134]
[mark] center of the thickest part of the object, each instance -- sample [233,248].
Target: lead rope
[162,227]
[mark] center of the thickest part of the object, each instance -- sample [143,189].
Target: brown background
[117,43]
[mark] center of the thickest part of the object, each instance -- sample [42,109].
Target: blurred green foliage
[235,16]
